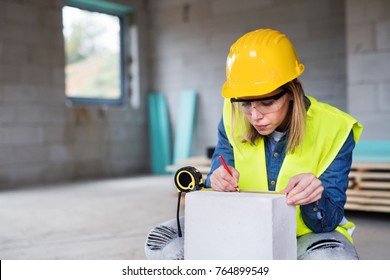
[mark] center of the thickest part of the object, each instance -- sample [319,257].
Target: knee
[164,243]
[325,246]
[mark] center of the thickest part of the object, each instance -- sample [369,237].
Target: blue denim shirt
[325,216]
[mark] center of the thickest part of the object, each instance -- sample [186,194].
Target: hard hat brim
[258,89]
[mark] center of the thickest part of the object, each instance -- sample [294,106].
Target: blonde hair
[296,119]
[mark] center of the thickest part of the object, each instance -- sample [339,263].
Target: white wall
[368,25]
[41,139]
[183,44]
[190,40]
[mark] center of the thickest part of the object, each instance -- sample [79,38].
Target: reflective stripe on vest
[327,128]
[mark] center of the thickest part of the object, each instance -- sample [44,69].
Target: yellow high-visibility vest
[327,129]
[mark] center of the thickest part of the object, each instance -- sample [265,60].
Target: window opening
[94,53]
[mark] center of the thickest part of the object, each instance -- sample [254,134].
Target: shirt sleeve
[223,149]
[326,214]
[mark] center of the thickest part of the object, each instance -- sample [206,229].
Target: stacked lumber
[369,187]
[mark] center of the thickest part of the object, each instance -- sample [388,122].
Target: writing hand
[221,180]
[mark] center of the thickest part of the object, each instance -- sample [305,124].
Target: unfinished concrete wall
[190,40]
[41,139]
[183,44]
[368,40]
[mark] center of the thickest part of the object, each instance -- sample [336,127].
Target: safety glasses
[263,105]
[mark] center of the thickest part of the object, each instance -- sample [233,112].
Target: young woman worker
[274,137]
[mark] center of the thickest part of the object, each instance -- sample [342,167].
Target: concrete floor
[109,219]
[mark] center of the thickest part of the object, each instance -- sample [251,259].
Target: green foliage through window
[93,71]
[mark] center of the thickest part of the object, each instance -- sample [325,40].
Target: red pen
[227,169]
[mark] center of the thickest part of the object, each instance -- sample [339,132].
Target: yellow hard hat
[260,62]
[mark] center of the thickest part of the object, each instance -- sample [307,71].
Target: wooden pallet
[369,187]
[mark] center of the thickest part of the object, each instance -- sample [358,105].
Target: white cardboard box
[237,226]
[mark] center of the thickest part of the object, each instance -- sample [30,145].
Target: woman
[274,137]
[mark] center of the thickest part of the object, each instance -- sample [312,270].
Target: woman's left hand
[303,189]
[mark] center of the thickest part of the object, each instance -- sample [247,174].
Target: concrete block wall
[190,40]
[368,41]
[182,44]
[41,139]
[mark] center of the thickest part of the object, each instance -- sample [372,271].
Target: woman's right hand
[222,181]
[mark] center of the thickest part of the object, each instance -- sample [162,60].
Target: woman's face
[268,115]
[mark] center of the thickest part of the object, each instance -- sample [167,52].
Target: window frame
[123,13]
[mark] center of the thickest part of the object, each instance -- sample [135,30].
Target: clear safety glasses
[265,105]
